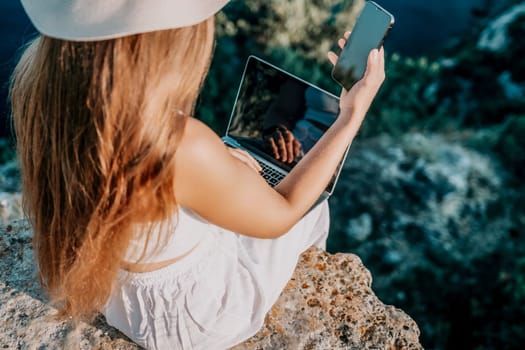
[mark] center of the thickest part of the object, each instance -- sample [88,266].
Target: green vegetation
[511,145]
[291,34]
[455,91]
[7,151]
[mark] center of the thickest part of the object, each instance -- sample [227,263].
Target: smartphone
[369,32]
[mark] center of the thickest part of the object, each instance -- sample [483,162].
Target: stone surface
[328,304]
[447,232]
[494,36]
[430,200]
[10,207]
[10,181]
[26,319]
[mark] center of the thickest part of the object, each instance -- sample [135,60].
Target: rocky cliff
[437,222]
[328,304]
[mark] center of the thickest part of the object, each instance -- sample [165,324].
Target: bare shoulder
[201,155]
[200,149]
[198,138]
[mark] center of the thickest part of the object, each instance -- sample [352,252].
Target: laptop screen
[279,116]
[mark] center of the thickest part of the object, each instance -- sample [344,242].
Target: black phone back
[369,32]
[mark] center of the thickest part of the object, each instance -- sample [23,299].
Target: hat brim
[81,20]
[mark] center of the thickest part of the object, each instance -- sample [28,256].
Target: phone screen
[369,32]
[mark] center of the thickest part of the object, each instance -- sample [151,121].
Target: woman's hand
[246,158]
[285,147]
[358,99]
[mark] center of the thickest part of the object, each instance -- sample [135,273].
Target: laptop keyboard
[272,176]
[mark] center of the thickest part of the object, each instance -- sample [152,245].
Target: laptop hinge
[231,142]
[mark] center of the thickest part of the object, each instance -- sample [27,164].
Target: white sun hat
[91,20]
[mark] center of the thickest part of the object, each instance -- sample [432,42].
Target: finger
[382,60]
[289,145]
[373,64]
[246,159]
[239,153]
[233,151]
[282,147]
[255,165]
[275,150]
[285,132]
[332,57]
[252,161]
[341,42]
[296,148]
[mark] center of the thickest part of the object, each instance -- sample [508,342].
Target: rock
[511,89]
[9,173]
[494,37]
[26,318]
[10,207]
[328,304]
[419,191]
[359,228]
[440,211]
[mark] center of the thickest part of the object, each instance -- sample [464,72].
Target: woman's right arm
[225,191]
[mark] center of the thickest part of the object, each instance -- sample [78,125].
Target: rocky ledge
[328,304]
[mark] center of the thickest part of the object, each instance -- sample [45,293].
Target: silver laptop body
[270,103]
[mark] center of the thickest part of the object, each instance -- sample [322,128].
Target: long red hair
[97,127]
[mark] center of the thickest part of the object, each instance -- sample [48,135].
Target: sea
[423,27]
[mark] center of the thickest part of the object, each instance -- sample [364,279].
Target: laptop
[277,118]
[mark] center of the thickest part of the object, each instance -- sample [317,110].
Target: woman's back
[169,240]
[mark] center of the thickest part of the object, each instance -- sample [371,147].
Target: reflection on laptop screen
[271,101]
[273,107]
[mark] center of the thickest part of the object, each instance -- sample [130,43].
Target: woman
[138,209]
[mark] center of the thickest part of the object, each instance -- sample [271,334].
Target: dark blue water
[15,30]
[422,27]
